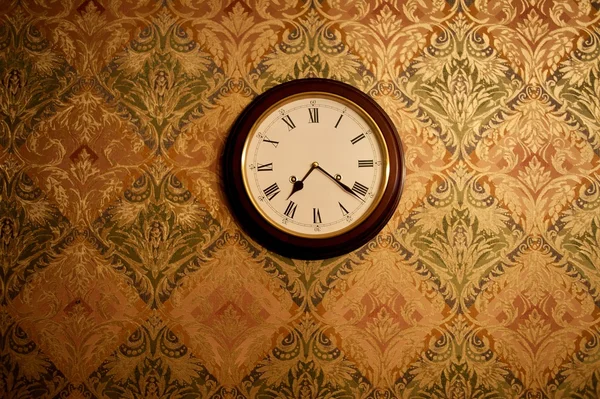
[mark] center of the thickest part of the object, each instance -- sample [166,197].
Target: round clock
[313,168]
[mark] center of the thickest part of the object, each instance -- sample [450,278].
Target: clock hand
[298,184]
[339,183]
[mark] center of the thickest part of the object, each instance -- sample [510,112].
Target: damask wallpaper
[124,275]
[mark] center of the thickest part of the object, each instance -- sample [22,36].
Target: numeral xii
[313,115]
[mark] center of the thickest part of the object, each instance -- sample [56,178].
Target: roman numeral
[266,167]
[360,189]
[288,121]
[316,216]
[313,114]
[357,138]
[275,143]
[290,211]
[344,210]
[365,163]
[339,120]
[272,191]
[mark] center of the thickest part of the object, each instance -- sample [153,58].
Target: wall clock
[313,168]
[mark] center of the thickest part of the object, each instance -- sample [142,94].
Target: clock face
[313,168]
[315,165]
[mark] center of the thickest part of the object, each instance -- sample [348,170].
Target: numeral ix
[272,191]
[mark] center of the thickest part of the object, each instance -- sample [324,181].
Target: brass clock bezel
[374,130]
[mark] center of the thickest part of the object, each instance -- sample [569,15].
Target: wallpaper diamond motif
[124,275]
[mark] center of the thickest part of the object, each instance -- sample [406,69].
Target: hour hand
[299,184]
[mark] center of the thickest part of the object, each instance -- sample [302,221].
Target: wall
[124,275]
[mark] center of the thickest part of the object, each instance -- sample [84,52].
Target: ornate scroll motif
[123,273]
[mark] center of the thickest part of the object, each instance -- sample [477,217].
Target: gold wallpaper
[124,275]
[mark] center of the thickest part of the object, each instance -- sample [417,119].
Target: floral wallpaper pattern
[124,275]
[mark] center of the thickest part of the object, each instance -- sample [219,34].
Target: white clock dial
[315,165]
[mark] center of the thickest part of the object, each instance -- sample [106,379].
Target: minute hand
[339,183]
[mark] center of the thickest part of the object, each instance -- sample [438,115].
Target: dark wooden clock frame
[287,244]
